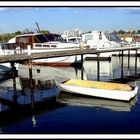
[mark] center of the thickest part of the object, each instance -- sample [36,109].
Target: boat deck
[98,84]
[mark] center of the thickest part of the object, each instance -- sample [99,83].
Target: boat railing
[132,44]
[135,44]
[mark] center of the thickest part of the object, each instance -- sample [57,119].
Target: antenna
[27,30]
[38,29]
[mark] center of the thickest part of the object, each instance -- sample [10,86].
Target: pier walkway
[19,58]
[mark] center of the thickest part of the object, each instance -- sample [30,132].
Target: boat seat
[98,84]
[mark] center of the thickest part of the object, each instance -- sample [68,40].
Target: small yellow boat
[108,90]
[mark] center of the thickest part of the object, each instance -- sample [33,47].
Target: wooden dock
[19,58]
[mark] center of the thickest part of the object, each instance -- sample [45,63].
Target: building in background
[72,33]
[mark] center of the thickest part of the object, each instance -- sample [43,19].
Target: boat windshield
[75,40]
[87,37]
[49,37]
[54,37]
[79,40]
[113,37]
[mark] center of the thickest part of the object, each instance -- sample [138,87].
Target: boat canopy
[39,38]
[54,37]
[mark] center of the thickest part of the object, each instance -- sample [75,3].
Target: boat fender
[38,70]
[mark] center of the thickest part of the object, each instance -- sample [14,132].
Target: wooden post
[31,86]
[136,62]
[98,67]
[32,94]
[30,67]
[128,59]
[82,60]
[82,74]
[30,75]
[14,81]
[122,66]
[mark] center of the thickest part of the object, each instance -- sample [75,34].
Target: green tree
[45,31]
[121,32]
[138,31]
[18,33]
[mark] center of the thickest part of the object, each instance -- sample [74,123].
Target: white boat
[41,42]
[99,40]
[107,90]
[6,52]
[130,52]
[72,100]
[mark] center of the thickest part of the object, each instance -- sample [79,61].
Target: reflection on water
[90,68]
[113,69]
[44,92]
[43,85]
[129,66]
[17,113]
[78,100]
[49,73]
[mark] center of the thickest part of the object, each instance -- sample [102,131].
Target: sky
[58,19]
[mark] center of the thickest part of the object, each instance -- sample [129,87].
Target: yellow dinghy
[108,90]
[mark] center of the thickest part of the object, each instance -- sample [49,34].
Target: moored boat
[108,90]
[100,41]
[39,43]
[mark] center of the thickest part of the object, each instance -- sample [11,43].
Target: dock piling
[98,67]
[122,66]
[128,59]
[14,81]
[136,62]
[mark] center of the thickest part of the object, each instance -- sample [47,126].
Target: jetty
[22,57]
[29,56]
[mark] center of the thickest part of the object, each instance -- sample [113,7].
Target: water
[79,115]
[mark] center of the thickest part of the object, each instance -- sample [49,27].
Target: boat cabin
[38,40]
[98,39]
[35,40]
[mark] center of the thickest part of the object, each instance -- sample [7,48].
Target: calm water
[78,115]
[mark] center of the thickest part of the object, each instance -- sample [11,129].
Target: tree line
[7,36]
[127,32]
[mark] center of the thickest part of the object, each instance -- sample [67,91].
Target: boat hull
[96,92]
[59,61]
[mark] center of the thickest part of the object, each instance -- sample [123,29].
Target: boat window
[38,45]
[73,40]
[100,36]
[88,37]
[47,46]
[54,37]
[112,37]
[79,40]
[23,39]
[53,46]
[41,38]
